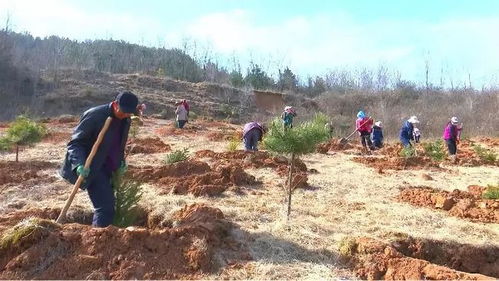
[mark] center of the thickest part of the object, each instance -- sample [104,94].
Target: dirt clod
[422,259]
[193,177]
[147,146]
[463,204]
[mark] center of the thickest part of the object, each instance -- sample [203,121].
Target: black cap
[127,102]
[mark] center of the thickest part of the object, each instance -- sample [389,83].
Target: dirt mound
[147,146]
[467,205]
[194,177]
[224,135]
[181,169]
[491,142]
[194,248]
[63,119]
[397,163]
[259,159]
[467,156]
[170,130]
[420,259]
[74,214]
[57,137]
[27,173]
[212,183]
[333,145]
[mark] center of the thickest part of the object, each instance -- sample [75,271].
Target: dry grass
[349,200]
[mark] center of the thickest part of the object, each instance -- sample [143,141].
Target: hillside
[76,91]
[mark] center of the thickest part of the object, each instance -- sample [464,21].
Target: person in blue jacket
[407,131]
[377,135]
[109,157]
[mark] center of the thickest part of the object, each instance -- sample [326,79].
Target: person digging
[452,135]
[252,134]
[112,122]
[407,131]
[363,125]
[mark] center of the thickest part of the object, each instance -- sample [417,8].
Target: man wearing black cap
[109,156]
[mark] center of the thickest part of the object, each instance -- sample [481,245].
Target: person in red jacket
[364,126]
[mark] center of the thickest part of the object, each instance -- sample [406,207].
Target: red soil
[418,260]
[333,145]
[467,205]
[74,251]
[27,173]
[147,146]
[193,177]
[397,163]
[260,159]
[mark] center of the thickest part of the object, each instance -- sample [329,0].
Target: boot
[453,159]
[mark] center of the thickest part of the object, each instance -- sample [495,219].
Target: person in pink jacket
[452,135]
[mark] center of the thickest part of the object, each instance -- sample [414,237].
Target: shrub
[347,247]
[408,152]
[23,131]
[233,143]
[492,192]
[23,229]
[193,115]
[5,144]
[177,156]
[127,193]
[435,150]
[486,155]
[227,111]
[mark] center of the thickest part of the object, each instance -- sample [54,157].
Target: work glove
[123,168]
[82,171]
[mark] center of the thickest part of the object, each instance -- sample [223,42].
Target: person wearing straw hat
[407,131]
[109,157]
[452,135]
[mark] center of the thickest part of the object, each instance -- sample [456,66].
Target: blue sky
[455,38]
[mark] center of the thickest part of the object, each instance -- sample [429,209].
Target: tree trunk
[290,184]
[17,153]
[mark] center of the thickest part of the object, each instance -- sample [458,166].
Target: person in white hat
[407,131]
[377,135]
[452,135]
[287,117]
[417,134]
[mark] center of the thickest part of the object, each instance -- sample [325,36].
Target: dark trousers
[365,139]
[251,139]
[101,194]
[451,146]
[181,123]
[405,142]
[377,144]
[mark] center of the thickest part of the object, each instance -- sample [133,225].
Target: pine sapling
[295,142]
[23,131]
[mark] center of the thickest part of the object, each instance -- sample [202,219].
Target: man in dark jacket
[109,157]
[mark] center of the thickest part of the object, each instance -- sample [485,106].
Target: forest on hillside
[24,59]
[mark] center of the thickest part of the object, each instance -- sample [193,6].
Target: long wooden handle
[357,129]
[88,162]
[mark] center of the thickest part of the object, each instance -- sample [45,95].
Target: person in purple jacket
[252,134]
[452,135]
